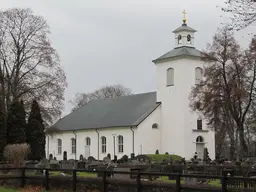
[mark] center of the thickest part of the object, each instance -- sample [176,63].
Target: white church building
[143,123]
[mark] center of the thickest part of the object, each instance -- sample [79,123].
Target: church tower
[183,131]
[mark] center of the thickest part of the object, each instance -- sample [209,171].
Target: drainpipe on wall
[132,140]
[76,142]
[98,143]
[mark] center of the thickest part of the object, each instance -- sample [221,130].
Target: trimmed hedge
[159,158]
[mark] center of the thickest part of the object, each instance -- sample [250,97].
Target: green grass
[8,190]
[80,174]
[215,183]
[158,158]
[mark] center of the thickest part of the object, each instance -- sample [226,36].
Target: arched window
[87,141]
[155,126]
[199,139]
[170,77]
[189,39]
[120,141]
[73,145]
[199,124]
[59,144]
[103,144]
[179,39]
[198,75]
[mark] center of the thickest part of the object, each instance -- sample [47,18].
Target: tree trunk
[243,145]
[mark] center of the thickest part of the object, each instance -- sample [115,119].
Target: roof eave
[189,30]
[156,61]
[139,121]
[86,129]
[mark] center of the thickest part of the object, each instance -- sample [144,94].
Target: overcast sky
[114,41]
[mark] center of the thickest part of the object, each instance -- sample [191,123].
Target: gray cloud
[112,41]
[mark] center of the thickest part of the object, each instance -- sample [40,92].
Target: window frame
[73,146]
[179,39]
[155,126]
[199,124]
[189,41]
[120,143]
[198,80]
[59,146]
[103,144]
[200,139]
[170,77]
[87,141]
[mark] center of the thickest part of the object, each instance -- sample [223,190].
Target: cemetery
[155,172]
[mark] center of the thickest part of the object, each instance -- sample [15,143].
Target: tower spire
[184,17]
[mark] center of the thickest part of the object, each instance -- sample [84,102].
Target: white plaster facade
[177,125]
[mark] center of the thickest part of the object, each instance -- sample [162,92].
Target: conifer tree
[16,123]
[3,137]
[36,133]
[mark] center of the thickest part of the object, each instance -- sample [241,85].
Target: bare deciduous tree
[228,90]
[109,91]
[29,65]
[243,12]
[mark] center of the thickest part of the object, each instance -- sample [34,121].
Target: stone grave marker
[120,176]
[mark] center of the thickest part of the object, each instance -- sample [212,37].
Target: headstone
[44,163]
[134,162]
[65,155]
[106,160]
[122,176]
[54,164]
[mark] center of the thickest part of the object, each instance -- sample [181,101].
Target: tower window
[155,126]
[179,39]
[198,75]
[199,124]
[189,39]
[170,77]
[199,139]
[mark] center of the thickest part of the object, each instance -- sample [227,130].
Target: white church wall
[177,136]
[93,149]
[147,139]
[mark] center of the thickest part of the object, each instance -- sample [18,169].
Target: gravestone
[44,163]
[54,164]
[81,165]
[106,160]
[65,155]
[121,176]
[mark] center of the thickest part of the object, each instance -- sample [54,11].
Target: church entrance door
[200,150]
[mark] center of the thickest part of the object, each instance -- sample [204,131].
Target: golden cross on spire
[184,16]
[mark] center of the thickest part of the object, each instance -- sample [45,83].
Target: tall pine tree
[35,133]
[3,134]
[16,123]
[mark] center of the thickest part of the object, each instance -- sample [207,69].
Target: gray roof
[114,112]
[184,27]
[179,51]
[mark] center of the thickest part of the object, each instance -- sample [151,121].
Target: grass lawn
[215,183]
[80,174]
[28,190]
[8,190]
